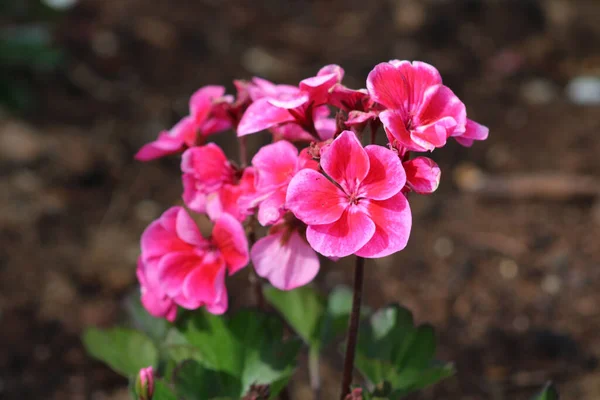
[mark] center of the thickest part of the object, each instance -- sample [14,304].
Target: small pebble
[60,4]
[584,90]
[521,323]
[551,284]
[147,210]
[508,269]
[443,247]
[538,91]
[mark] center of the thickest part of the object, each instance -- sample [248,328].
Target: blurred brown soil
[511,282]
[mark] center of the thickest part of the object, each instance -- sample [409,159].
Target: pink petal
[332,69]
[421,76]
[215,125]
[305,160]
[422,175]
[160,237]
[388,86]
[262,115]
[345,161]
[359,117]
[187,230]
[386,175]
[439,104]
[185,130]
[342,237]
[260,88]
[208,164]
[205,285]
[393,221]
[348,99]
[292,132]
[314,199]
[325,127]
[395,129]
[174,268]
[163,146]
[270,210]
[275,164]
[193,198]
[286,262]
[434,135]
[201,102]
[153,298]
[289,100]
[230,238]
[473,131]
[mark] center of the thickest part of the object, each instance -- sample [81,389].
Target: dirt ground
[503,259]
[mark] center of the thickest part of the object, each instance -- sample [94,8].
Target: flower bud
[144,384]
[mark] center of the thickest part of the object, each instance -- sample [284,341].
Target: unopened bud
[144,384]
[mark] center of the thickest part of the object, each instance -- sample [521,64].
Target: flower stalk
[353,327]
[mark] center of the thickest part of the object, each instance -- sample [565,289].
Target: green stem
[353,327]
[314,373]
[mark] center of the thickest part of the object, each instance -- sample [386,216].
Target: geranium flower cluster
[316,187]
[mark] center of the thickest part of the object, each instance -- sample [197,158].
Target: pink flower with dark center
[206,117]
[190,268]
[284,257]
[206,170]
[422,175]
[356,206]
[279,104]
[421,113]
[275,166]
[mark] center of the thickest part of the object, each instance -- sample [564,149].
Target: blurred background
[504,258]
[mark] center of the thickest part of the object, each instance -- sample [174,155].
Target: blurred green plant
[27,50]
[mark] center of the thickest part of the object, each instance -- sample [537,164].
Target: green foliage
[155,328]
[396,356]
[27,51]
[162,391]
[248,346]
[125,351]
[196,382]
[549,392]
[316,320]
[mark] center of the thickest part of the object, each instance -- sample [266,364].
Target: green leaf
[155,328]
[316,320]
[162,391]
[29,46]
[247,346]
[125,351]
[196,382]
[303,308]
[549,392]
[337,313]
[392,350]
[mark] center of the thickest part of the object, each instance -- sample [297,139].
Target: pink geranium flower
[357,207]
[275,166]
[421,113]
[206,169]
[279,104]
[190,268]
[285,258]
[206,117]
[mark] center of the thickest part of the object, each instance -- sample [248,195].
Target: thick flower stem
[353,327]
